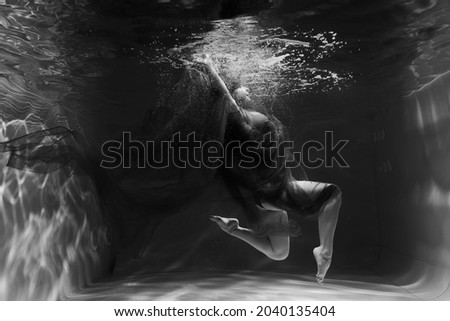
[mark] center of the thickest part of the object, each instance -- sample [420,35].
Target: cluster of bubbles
[250,51]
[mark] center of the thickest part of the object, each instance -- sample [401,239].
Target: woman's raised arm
[219,84]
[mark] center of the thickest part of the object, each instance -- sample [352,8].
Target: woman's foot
[227,225]
[323,263]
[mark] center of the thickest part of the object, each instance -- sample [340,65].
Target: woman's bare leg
[327,226]
[274,247]
[308,191]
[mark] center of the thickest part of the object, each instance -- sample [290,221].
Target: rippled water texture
[50,226]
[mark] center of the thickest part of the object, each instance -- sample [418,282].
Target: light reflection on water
[46,237]
[52,235]
[255,52]
[433,56]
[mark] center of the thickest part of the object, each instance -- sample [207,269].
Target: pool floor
[243,286]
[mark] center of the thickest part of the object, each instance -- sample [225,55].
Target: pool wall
[53,237]
[412,141]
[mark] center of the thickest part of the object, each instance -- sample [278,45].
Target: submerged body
[202,104]
[274,188]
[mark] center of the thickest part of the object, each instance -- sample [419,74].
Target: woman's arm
[218,82]
[216,78]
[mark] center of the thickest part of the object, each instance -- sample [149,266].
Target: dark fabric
[269,179]
[267,174]
[195,106]
[306,201]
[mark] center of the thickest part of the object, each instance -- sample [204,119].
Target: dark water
[97,66]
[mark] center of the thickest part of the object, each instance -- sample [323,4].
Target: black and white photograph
[284,151]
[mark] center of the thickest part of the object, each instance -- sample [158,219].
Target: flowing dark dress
[193,109]
[195,106]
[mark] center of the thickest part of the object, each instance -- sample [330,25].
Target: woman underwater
[274,189]
[201,103]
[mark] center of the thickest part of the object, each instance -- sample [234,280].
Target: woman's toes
[323,264]
[319,279]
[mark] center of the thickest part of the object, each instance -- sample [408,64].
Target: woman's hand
[216,80]
[227,225]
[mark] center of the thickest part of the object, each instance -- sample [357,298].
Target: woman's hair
[268,179]
[272,181]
